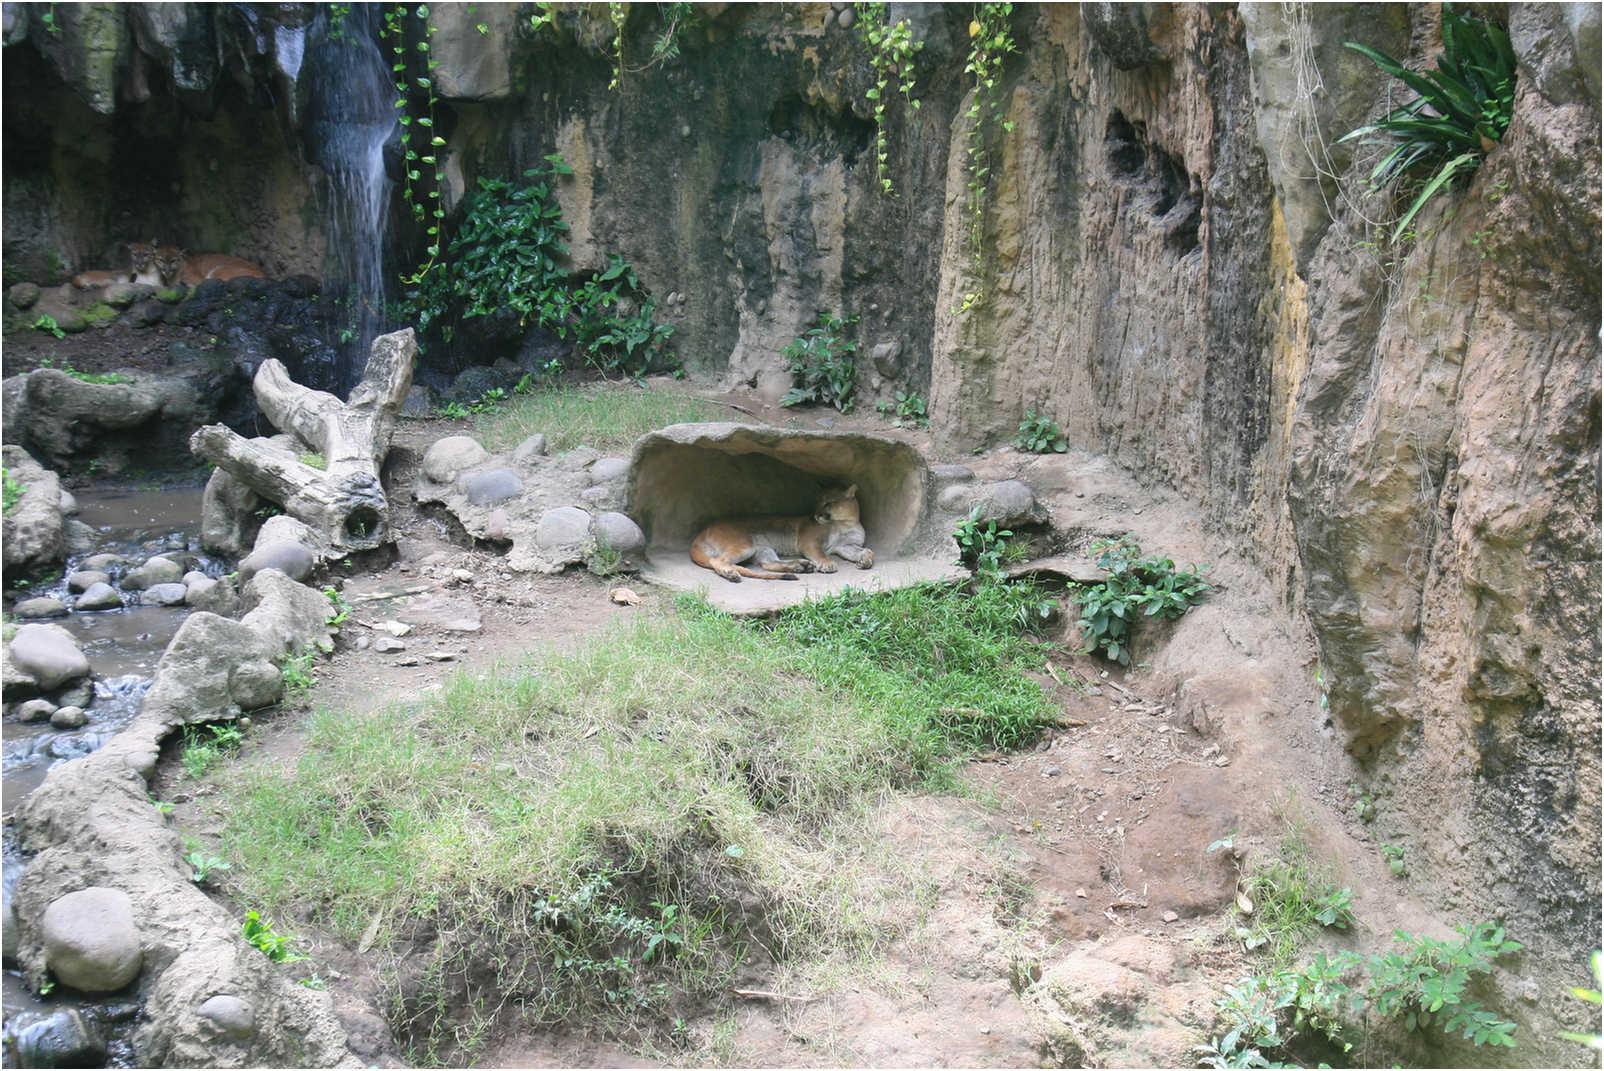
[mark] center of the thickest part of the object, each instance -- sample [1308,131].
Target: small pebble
[1170,916]
[1081,893]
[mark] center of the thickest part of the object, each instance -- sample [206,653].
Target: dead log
[343,502]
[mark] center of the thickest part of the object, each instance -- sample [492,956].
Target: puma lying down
[778,548]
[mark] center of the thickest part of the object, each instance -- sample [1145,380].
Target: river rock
[255,684]
[193,576]
[41,606]
[69,504]
[77,537]
[449,456]
[156,570]
[90,940]
[609,470]
[49,654]
[165,595]
[563,535]
[232,1016]
[618,531]
[532,447]
[81,694]
[122,295]
[23,295]
[103,562]
[292,559]
[218,596]
[33,534]
[62,1039]
[98,596]
[491,486]
[84,579]
[69,718]
[36,710]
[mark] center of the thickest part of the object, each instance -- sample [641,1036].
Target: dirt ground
[1066,911]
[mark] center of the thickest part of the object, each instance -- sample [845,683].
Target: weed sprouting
[13,490]
[1039,434]
[261,935]
[204,745]
[297,675]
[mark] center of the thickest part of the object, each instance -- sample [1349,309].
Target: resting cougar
[781,547]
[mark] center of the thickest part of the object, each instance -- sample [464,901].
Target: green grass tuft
[605,418]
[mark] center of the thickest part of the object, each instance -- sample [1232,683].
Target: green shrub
[908,410]
[261,935]
[205,745]
[823,364]
[1461,113]
[982,546]
[49,326]
[1136,587]
[1039,434]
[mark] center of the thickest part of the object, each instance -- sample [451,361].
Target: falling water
[350,117]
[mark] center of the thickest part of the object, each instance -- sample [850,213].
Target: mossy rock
[99,315]
[170,295]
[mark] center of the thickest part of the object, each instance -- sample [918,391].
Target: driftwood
[343,502]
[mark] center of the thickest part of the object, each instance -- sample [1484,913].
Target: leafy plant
[454,411]
[1136,587]
[823,365]
[908,410]
[1394,855]
[1039,434]
[342,609]
[1460,115]
[261,935]
[982,546]
[297,675]
[891,51]
[412,72]
[204,745]
[990,40]
[105,378]
[202,866]
[11,490]
[47,323]
[1593,997]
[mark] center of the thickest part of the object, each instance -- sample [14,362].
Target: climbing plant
[891,51]
[674,20]
[417,123]
[1460,115]
[990,40]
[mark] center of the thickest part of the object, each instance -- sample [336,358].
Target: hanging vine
[989,42]
[417,123]
[891,51]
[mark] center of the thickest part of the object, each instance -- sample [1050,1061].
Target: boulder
[491,486]
[36,710]
[122,295]
[63,1038]
[165,595]
[84,579]
[451,455]
[103,562]
[532,447]
[69,718]
[617,531]
[49,654]
[91,942]
[1008,502]
[562,536]
[294,560]
[32,525]
[229,520]
[218,596]
[155,570]
[609,470]
[23,295]
[81,694]
[99,596]
[255,684]
[39,607]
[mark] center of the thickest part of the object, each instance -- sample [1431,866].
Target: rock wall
[1183,267]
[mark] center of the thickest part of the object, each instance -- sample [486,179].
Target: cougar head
[169,263]
[141,257]
[836,507]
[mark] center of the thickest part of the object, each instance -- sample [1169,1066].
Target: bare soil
[1068,911]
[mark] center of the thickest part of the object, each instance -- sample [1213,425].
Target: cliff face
[1177,262]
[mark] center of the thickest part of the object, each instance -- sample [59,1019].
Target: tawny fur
[781,547]
[192,269]
[86,280]
[142,263]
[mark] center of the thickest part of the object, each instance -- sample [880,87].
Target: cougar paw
[732,577]
[828,567]
[805,566]
[867,561]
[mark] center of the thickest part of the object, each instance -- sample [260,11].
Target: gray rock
[449,456]
[36,710]
[39,607]
[215,595]
[165,595]
[1008,502]
[84,579]
[81,694]
[563,534]
[62,1039]
[194,576]
[886,358]
[77,537]
[91,942]
[617,531]
[69,718]
[601,498]
[530,448]
[122,295]
[233,1017]
[609,469]
[256,684]
[492,486]
[578,458]
[387,644]
[23,295]
[419,402]
[292,559]
[947,475]
[156,570]
[33,535]
[846,18]
[69,504]
[49,654]
[103,562]
[98,596]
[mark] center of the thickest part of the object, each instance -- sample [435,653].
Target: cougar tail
[757,574]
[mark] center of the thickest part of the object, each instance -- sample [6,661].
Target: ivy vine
[618,14]
[417,123]
[989,42]
[675,19]
[891,51]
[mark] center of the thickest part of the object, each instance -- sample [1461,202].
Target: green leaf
[1464,162]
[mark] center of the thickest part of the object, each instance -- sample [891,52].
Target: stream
[123,646]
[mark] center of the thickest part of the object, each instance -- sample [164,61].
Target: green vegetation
[1591,996]
[891,51]
[1394,855]
[1459,116]
[990,40]
[823,364]
[297,675]
[170,295]
[1136,587]
[99,313]
[11,490]
[262,937]
[1287,899]
[47,324]
[592,832]
[608,418]
[342,609]
[507,254]
[1423,982]
[412,71]
[908,410]
[984,547]
[201,865]
[314,460]
[205,745]
[1039,434]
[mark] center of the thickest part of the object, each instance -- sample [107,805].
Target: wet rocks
[84,579]
[90,940]
[165,595]
[49,654]
[98,596]
[218,596]
[155,570]
[40,607]
[69,718]
[36,710]
[62,1039]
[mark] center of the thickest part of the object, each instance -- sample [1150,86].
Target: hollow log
[343,502]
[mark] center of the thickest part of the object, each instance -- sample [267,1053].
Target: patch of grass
[607,419]
[610,832]
[1291,895]
[297,672]
[99,313]
[205,745]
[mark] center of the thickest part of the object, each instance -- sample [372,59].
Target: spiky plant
[1460,115]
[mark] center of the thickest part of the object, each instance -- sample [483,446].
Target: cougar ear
[851,492]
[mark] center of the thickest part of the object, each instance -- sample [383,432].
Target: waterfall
[350,116]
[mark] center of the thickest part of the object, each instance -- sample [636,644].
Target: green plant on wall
[891,51]
[1460,115]
[990,40]
[823,364]
[412,71]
